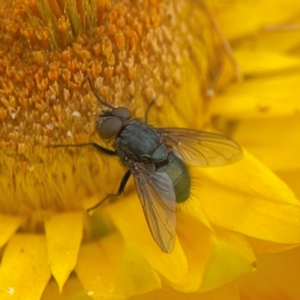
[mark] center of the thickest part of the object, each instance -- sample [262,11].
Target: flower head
[133,52]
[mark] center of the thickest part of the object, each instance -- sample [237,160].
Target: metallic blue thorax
[141,143]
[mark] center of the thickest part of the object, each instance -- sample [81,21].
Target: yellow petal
[273,39]
[64,234]
[277,277]
[71,290]
[262,62]
[226,292]
[193,207]
[248,198]
[230,258]
[128,217]
[214,259]
[251,15]
[262,246]
[280,38]
[195,240]
[98,264]
[142,278]
[292,179]
[8,225]
[24,271]
[259,98]
[109,269]
[279,149]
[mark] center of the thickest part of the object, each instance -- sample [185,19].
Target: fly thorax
[141,143]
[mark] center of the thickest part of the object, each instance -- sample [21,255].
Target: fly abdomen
[179,174]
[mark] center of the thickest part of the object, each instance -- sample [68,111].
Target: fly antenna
[98,97]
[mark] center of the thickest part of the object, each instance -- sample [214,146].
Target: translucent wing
[156,192]
[201,148]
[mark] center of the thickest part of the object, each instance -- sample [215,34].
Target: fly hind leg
[120,191]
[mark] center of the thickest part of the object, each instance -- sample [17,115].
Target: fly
[156,158]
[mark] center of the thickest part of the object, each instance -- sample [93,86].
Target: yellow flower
[133,52]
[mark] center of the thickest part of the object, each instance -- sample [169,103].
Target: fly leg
[147,110]
[120,191]
[96,146]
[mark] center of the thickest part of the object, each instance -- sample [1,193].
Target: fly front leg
[148,110]
[96,146]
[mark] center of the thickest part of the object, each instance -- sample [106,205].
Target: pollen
[130,51]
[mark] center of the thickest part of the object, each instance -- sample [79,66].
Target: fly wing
[205,149]
[156,193]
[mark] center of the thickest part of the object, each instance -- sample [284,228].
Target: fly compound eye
[109,128]
[122,112]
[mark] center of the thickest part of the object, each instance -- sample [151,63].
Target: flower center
[133,53]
